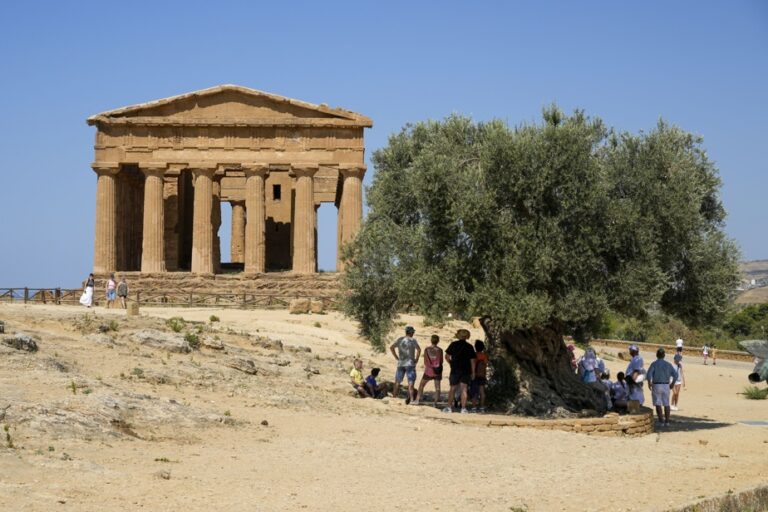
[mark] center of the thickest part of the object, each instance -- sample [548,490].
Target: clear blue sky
[700,65]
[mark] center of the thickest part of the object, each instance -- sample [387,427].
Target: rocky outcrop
[21,341]
[171,342]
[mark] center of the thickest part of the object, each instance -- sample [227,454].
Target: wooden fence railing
[159,298]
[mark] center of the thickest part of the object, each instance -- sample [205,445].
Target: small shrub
[318,324]
[176,323]
[162,459]
[227,413]
[139,372]
[193,340]
[113,325]
[87,391]
[755,393]
[51,448]
[213,318]
[73,386]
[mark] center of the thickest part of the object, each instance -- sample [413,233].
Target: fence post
[57,296]
[26,295]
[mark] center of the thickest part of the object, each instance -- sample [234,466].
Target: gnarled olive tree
[541,229]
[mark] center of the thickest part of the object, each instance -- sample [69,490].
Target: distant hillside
[757,293]
[755,269]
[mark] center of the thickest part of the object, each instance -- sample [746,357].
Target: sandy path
[338,453]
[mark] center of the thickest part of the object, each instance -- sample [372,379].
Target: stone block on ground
[133,309]
[317,307]
[171,342]
[21,341]
[299,306]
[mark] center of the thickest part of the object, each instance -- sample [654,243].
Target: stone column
[105,241]
[153,243]
[255,224]
[237,244]
[216,221]
[202,227]
[304,220]
[350,208]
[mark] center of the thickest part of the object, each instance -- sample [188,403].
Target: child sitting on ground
[375,389]
[356,376]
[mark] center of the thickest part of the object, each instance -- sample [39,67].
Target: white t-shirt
[679,343]
[705,350]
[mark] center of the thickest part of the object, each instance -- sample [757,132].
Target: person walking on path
[111,290]
[679,344]
[713,353]
[705,353]
[433,369]
[407,354]
[86,299]
[679,382]
[461,356]
[122,292]
[661,379]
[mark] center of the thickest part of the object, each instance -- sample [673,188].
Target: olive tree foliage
[542,225]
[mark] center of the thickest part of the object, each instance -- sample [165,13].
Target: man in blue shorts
[661,378]
[408,352]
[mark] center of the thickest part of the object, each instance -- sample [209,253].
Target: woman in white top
[705,353]
[680,382]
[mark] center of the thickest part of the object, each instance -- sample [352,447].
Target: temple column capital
[303,170]
[357,171]
[153,169]
[101,168]
[255,169]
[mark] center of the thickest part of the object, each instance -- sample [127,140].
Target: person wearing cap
[635,374]
[407,354]
[661,378]
[679,382]
[462,358]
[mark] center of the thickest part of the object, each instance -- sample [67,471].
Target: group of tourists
[467,378]
[112,290]
[664,380]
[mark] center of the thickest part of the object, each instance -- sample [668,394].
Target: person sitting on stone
[357,380]
[619,393]
[373,388]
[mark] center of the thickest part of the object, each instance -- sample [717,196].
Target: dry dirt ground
[116,421]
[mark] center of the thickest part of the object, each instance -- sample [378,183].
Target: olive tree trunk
[532,374]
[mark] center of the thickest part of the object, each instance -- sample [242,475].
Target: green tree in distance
[541,229]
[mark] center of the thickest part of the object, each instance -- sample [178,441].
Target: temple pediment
[230,105]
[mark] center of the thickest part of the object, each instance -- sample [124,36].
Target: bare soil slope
[261,418]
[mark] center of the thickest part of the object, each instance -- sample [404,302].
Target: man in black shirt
[461,356]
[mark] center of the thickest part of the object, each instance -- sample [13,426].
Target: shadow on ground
[690,424]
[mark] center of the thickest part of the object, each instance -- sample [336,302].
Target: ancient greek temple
[164,167]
